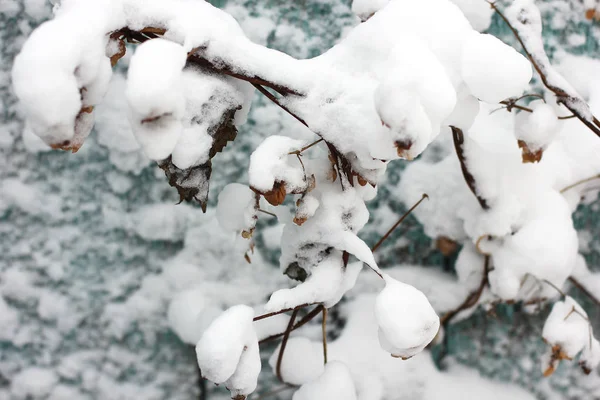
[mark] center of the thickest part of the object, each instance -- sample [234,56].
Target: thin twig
[553,286]
[324,332]
[267,212]
[472,298]
[274,99]
[584,290]
[591,178]
[307,318]
[402,218]
[284,341]
[562,97]
[306,147]
[459,139]
[272,314]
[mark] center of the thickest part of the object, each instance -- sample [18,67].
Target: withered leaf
[529,156]
[276,196]
[191,183]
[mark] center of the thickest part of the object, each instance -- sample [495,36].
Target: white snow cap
[334,384]
[228,351]
[538,128]
[407,321]
[492,70]
[568,326]
[271,162]
[155,95]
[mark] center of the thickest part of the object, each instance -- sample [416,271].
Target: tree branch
[541,64]
[472,298]
[324,333]
[307,318]
[584,290]
[286,336]
[458,138]
[393,228]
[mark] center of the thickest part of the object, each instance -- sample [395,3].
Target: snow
[479,13]
[190,313]
[334,384]
[228,353]
[388,90]
[539,128]
[236,208]
[364,9]
[327,284]
[157,108]
[568,326]
[271,162]
[406,320]
[302,361]
[33,382]
[492,70]
[378,376]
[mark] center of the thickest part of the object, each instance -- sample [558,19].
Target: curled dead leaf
[529,156]
[276,196]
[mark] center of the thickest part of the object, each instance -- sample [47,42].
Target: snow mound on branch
[334,384]
[407,322]
[568,326]
[327,284]
[378,376]
[492,70]
[161,62]
[545,246]
[74,73]
[271,162]
[538,128]
[228,351]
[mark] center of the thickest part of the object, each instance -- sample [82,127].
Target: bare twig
[324,332]
[284,341]
[591,178]
[458,137]
[553,286]
[307,318]
[584,290]
[268,315]
[298,152]
[402,218]
[472,298]
[267,212]
[570,102]
[274,99]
